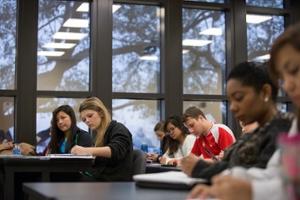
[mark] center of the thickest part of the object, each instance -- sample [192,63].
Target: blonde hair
[95,104]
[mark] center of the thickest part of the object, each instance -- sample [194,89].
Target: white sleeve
[272,170]
[268,189]
[188,145]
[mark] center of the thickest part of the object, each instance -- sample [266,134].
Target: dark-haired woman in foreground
[267,183]
[252,97]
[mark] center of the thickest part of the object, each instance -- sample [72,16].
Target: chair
[139,162]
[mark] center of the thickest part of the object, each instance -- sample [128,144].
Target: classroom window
[63,46]
[6,118]
[45,107]
[203,53]
[262,30]
[7,44]
[136,48]
[140,117]
[214,111]
[266,3]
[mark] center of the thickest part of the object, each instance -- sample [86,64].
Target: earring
[266,99]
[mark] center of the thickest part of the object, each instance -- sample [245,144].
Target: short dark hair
[253,74]
[192,112]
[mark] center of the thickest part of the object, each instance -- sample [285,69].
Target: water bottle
[16,150]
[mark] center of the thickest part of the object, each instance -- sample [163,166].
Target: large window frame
[171,95]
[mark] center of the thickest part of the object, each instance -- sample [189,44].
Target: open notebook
[168,180]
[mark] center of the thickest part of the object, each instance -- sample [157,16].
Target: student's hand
[188,163]
[163,160]
[172,162]
[152,156]
[6,146]
[26,149]
[79,150]
[200,191]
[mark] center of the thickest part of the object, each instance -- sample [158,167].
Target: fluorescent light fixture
[59,45]
[149,58]
[256,19]
[212,31]
[195,43]
[84,7]
[185,51]
[76,23]
[69,36]
[51,53]
[262,58]
[115,7]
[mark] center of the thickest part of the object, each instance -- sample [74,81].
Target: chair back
[139,162]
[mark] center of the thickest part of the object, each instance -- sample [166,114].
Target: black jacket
[120,166]
[251,150]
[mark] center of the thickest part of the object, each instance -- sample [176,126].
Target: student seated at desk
[181,142]
[252,97]
[164,140]
[276,181]
[64,132]
[113,143]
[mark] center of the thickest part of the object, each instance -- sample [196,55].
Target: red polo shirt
[219,138]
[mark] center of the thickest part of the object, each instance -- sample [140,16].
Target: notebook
[167,180]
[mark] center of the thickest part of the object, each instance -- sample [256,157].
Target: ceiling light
[59,45]
[212,31]
[262,58]
[84,7]
[51,53]
[195,43]
[256,19]
[149,58]
[76,23]
[115,7]
[69,36]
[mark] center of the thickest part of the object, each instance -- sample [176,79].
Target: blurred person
[163,138]
[261,184]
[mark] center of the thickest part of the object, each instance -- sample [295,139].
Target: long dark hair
[289,37]
[177,122]
[56,134]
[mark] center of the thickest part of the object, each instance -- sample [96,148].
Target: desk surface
[105,191]
[14,168]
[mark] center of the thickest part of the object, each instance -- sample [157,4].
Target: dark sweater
[120,166]
[79,137]
[251,150]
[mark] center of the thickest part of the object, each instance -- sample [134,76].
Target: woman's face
[245,103]
[91,118]
[175,132]
[288,68]
[160,135]
[63,121]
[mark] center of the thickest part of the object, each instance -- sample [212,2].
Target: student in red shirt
[212,139]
